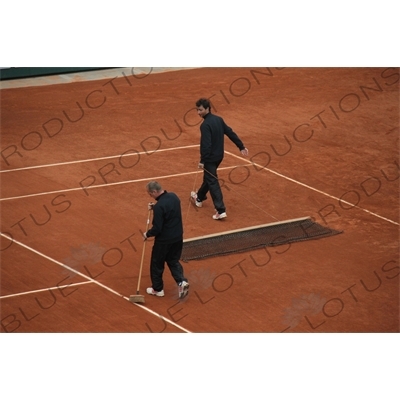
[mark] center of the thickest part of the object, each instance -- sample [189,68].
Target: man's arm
[205,143]
[157,223]
[235,139]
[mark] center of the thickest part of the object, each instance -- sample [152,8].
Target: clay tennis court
[76,157]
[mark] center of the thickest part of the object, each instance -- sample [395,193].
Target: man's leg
[158,255]
[211,177]
[202,192]
[172,259]
[176,268]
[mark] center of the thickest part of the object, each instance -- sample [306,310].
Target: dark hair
[203,102]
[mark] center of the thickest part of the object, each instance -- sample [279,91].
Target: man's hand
[150,206]
[245,152]
[144,236]
[201,166]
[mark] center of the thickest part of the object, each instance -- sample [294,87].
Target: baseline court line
[93,281]
[314,189]
[95,159]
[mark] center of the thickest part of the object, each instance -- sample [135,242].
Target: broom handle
[144,247]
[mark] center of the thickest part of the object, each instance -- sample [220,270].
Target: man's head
[154,189]
[203,107]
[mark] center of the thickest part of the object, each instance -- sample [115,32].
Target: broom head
[136,298]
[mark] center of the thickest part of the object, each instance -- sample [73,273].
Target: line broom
[138,298]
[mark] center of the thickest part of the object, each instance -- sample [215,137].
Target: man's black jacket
[167,219]
[212,132]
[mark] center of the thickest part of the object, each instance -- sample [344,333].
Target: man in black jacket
[167,230]
[212,130]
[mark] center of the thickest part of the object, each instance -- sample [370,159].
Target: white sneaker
[198,203]
[183,289]
[219,216]
[151,291]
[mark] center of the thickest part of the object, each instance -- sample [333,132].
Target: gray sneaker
[219,216]
[151,291]
[183,289]
[196,201]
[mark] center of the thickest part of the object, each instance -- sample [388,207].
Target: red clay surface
[323,143]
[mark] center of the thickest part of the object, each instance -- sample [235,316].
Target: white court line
[109,184]
[94,281]
[314,189]
[95,159]
[190,173]
[43,290]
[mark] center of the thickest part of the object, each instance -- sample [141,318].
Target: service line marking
[43,290]
[109,184]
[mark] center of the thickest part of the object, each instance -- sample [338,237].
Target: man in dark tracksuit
[212,130]
[167,229]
